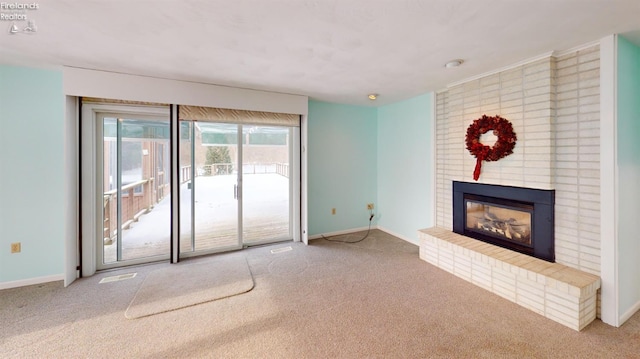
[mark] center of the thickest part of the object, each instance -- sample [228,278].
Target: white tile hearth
[560,293]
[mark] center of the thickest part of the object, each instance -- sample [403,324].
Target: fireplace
[516,218]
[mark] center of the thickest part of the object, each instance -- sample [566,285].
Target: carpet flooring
[184,285]
[372,299]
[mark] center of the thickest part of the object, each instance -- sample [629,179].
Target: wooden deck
[266,217]
[203,242]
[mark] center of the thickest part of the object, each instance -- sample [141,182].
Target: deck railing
[185,174]
[217,169]
[282,169]
[138,198]
[261,168]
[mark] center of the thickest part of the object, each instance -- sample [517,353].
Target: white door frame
[71,255]
[90,194]
[91,178]
[304,198]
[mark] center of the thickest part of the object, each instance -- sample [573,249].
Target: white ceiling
[331,50]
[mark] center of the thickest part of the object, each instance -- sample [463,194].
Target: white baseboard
[31,281]
[410,240]
[629,313]
[337,233]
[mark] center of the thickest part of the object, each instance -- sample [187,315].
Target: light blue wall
[405,166]
[31,173]
[342,166]
[350,149]
[628,174]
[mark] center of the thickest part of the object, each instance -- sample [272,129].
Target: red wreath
[503,147]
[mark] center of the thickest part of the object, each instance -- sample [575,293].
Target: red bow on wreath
[503,147]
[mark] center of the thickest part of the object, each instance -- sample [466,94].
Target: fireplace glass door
[507,223]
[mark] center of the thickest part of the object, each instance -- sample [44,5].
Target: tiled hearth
[563,294]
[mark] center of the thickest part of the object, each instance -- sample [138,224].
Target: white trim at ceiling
[577,48]
[505,68]
[111,85]
[524,62]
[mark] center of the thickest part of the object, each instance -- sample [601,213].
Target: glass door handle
[235,191]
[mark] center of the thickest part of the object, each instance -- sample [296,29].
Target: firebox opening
[505,222]
[517,218]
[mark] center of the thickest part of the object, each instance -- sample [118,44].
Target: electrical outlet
[16,247]
[370,206]
[333,211]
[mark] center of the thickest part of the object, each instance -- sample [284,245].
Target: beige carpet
[184,285]
[372,299]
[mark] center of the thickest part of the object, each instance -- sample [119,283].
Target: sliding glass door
[266,184]
[135,189]
[209,192]
[235,186]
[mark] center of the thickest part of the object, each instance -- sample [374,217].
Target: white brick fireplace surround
[554,106]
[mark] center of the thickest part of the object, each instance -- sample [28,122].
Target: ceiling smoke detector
[373,96]
[453,63]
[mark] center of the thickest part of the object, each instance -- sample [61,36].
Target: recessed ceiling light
[373,96]
[453,63]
